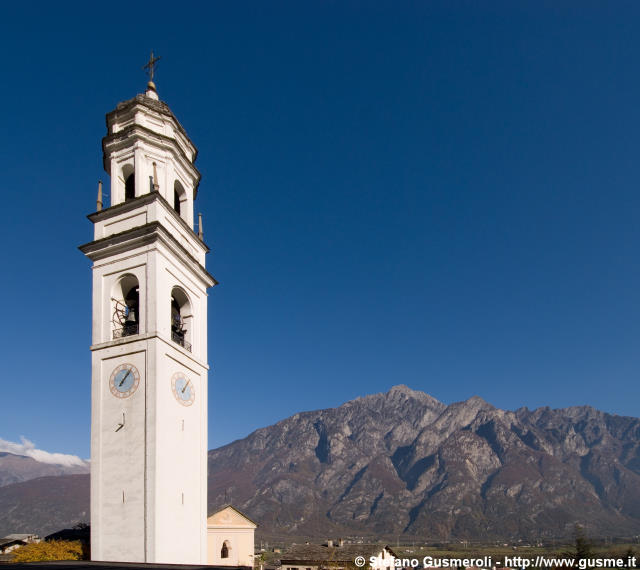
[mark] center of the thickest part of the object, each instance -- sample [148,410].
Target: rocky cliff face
[404,463]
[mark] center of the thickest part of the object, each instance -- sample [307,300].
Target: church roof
[154,105]
[230,516]
[5,541]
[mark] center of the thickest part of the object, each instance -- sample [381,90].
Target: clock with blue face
[183,389]
[124,380]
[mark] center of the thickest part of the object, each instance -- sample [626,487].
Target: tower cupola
[146,150]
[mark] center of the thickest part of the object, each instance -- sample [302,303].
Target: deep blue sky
[441,194]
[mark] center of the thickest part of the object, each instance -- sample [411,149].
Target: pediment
[230,517]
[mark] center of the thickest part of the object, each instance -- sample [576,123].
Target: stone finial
[99,200]
[151,91]
[200,230]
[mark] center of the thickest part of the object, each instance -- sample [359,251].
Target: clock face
[124,380]
[183,389]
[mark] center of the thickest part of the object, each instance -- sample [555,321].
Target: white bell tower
[149,347]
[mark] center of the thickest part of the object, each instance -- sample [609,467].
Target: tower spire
[150,68]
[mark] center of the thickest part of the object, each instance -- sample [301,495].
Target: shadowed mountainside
[44,505]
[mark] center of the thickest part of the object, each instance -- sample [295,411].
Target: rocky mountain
[16,468]
[404,463]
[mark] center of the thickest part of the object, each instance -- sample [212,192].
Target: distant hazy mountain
[15,468]
[44,505]
[404,463]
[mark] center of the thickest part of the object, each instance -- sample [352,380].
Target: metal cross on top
[151,65]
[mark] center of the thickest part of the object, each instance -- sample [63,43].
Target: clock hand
[185,386]
[124,378]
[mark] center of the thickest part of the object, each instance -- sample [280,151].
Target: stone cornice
[146,336]
[145,200]
[140,236]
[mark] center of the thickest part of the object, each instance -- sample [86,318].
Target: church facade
[149,344]
[230,536]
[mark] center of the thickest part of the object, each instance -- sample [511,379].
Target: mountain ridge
[403,463]
[421,467]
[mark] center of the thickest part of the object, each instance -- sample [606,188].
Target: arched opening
[179,198]
[224,551]
[130,187]
[177,325]
[125,302]
[132,316]
[176,201]
[181,318]
[128,175]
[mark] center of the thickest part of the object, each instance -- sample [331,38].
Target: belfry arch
[179,199]
[129,177]
[181,318]
[125,306]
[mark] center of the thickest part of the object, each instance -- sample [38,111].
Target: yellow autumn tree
[49,550]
